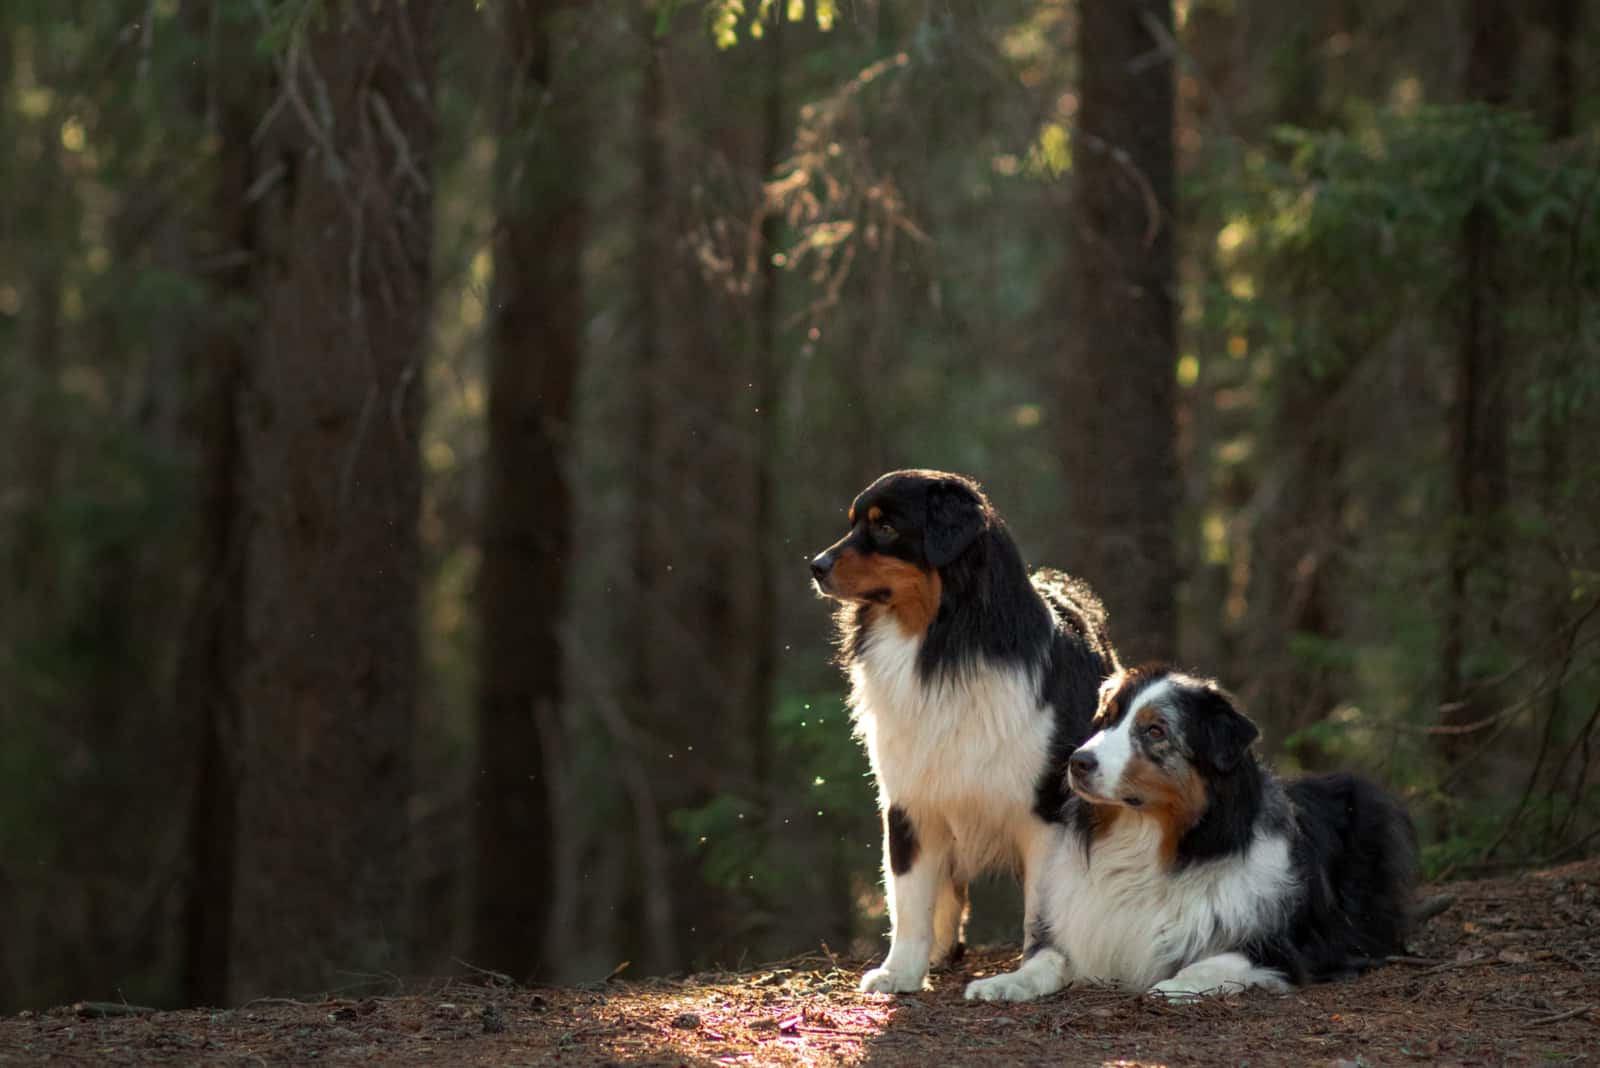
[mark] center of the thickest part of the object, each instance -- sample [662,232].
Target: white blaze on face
[1114,747]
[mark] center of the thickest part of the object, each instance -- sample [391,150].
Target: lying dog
[1186,868]
[970,685]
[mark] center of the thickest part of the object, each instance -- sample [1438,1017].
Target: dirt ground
[1509,975]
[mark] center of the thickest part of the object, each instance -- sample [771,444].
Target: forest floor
[1510,974]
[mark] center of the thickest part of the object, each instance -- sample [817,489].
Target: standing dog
[970,685]
[1185,867]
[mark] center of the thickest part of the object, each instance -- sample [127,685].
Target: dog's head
[1162,741]
[903,529]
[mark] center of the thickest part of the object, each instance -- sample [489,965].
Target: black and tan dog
[971,684]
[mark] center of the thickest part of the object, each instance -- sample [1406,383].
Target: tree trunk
[1558,109]
[764,439]
[38,216]
[646,930]
[697,640]
[228,103]
[1475,567]
[330,417]
[1118,433]
[1562,21]
[535,340]
[32,601]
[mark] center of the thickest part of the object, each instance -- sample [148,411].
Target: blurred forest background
[417,417]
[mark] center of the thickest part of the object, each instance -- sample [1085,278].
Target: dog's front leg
[1045,967]
[1044,972]
[916,864]
[1036,853]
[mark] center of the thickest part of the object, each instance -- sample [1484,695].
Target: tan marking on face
[852,574]
[1174,794]
[874,514]
[912,593]
[914,600]
[851,515]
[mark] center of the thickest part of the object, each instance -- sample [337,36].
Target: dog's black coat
[1355,852]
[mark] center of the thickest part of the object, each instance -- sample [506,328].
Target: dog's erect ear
[955,519]
[1220,734]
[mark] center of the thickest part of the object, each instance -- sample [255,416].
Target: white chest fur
[1119,916]
[965,751]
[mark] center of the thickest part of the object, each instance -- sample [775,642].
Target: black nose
[821,564]
[1082,762]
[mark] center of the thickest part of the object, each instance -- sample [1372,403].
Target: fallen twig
[496,978]
[1558,1017]
[810,1030]
[100,1009]
[1452,965]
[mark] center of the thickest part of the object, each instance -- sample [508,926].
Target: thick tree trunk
[1117,416]
[646,929]
[535,342]
[228,102]
[330,417]
[45,960]
[695,722]
[1475,567]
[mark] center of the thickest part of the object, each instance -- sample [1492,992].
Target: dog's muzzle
[821,568]
[1082,768]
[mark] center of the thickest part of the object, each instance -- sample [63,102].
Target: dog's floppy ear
[1105,700]
[1219,734]
[955,519]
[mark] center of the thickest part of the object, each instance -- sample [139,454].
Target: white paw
[884,981]
[1174,991]
[1177,989]
[1008,987]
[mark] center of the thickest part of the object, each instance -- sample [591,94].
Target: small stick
[1418,961]
[1558,1017]
[98,1009]
[809,1030]
[497,978]
[1454,964]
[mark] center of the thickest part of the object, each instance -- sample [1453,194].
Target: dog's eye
[1155,732]
[883,531]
